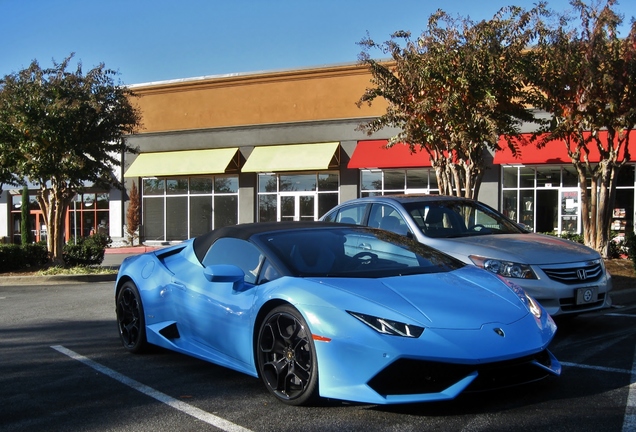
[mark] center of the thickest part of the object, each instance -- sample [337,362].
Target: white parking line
[598,368]
[629,422]
[149,391]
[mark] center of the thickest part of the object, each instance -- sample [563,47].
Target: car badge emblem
[500,332]
[581,274]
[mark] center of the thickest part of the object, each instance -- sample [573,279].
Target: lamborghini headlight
[389,327]
[504,268]
[533,305]
[528,300]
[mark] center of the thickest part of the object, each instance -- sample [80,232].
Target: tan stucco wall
[255,99]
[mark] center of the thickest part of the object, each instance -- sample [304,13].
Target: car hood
[537,249]
[467,298]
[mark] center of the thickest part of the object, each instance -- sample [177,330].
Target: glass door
[569,210]
[298,206]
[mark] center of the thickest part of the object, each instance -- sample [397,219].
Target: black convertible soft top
[202,243]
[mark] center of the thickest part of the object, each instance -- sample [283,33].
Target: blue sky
[158,40]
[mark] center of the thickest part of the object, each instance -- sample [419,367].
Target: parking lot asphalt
[113,258]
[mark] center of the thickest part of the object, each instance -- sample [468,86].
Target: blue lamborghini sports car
[335,311]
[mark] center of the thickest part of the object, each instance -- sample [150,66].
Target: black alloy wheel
[130,319]
[287,357]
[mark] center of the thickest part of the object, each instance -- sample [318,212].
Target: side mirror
[225,273]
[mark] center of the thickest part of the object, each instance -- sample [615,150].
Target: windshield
[451,219]
[353,252]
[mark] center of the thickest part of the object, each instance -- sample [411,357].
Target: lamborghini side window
[236,252]
[268,273]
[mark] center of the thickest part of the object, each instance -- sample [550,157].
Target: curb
[624,296]
[132,249]
[57,279]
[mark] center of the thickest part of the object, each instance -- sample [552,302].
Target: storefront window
[226,184]
[153,218]
[179,208]
[570,177]
[328,182]
[102,201]
[548,176]
[154,187]
[526,177]
[510,177]
[554,204]
[388,182]
[623,211]
[303,196]
[201,214]
[267,208]
[200,185]
[176,217]
[267,183]
[526,208]
[510,207]
[394,180]
[298,182]
[225,210]
[370,180]
[570,211]
[417,179]
[177,186]
[626,176]
[88,214]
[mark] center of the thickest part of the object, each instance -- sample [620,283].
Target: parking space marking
[155,394]
[629,422]
[598,368]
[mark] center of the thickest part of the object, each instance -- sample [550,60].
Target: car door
[388,218]
[353,214]
[218,313]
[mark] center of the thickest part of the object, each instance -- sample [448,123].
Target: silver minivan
[564,276]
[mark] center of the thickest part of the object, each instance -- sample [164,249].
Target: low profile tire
[130,319]
[287,357]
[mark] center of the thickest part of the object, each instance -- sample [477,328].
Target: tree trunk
[25,229]
[607,194]
[54,202]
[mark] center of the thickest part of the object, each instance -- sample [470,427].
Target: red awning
[554,152]
[374,154]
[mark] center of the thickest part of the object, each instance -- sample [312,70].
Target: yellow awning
[187,162]
[293,157]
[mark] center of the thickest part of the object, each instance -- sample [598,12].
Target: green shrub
[36,254]
[85,251]
[630,247]
[16,257]
[614,249]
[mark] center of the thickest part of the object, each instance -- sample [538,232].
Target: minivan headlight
[504,268]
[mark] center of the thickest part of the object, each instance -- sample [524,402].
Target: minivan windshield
[450,219]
